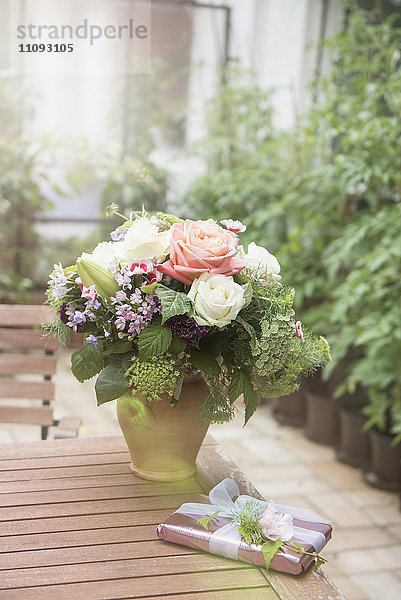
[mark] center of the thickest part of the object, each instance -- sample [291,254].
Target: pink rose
[197,247]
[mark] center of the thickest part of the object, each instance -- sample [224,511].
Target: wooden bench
[27,367]
[75,522]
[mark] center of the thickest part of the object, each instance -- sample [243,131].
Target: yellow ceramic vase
[164,441]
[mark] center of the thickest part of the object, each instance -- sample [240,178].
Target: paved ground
[365,552]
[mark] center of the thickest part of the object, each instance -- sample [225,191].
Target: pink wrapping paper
[185,530]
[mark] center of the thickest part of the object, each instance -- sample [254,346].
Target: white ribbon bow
[226,540]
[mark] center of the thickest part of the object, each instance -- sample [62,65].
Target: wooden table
[76,523]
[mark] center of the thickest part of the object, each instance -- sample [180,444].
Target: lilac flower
[121,274]
[186,328]
[92,339]
[134,313]
[121,296]
[79,317]
[95,304]
[117,235]
[120,323]
[58,282]
[70,311]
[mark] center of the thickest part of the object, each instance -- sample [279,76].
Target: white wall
[277,39]
[269,37]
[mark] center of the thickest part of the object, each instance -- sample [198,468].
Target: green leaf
[154,340]
[177,345]
[240,385]
[249,329]
[119,347]
[214,343]
[127,361]
[248,293]
[173,303]
[204,521]
[149,288]
[298,546]
[269,549]
[86,362]
[319,562]
[205,362]
[111,383]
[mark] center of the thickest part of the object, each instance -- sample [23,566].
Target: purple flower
[92,339]
[121,296]
[116,235]
[63,314]
[186,328]
[79,317]
[93,304]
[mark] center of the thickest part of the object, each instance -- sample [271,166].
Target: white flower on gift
[217,299]
[259,259]
[276,525]
[143,241]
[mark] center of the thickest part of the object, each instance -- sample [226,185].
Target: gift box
[221,537]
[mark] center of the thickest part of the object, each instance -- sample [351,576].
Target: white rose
[143,241]
[261,260]
[217,299]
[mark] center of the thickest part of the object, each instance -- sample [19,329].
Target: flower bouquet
[168,304]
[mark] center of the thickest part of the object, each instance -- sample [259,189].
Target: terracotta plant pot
[322,423]
[164,441]
[354,445]
[385,472]
[290,410]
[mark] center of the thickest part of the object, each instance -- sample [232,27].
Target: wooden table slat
[89,537]
[142,490]
[142,587]
[92,507]
[71,447]
[243,594]
[77,523]
[85,554]
[55,462]
[65,483]
[116,569]
[61,472]
[84,522]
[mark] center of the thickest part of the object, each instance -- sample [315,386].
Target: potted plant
[322,424]
[353,445]
[179,323]
[384,425]
[291,409]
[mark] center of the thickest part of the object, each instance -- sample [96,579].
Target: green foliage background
[326,199]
